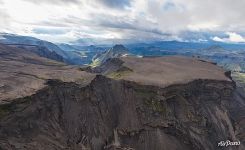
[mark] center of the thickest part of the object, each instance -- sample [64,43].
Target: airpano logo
[228,143]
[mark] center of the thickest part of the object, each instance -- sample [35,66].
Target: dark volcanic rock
[115,113]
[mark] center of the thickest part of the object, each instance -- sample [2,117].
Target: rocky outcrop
[125,113]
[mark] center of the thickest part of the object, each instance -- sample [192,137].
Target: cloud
[54,1]
[114,3]
[232,38]
[97,3]
[51,31]
[125,24]
[4,17]
[125,19]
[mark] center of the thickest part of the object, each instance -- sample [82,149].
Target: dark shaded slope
[40,51]
[114,113]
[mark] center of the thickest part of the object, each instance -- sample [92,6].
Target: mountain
[81,55]
[183,46]
[67,47]
[233,60]
[230,56]
[134,103]
[44,48]
[40,51]
[23,72]
[26,40]
[115,51]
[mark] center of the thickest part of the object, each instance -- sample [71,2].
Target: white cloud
[232,38]
[122,19]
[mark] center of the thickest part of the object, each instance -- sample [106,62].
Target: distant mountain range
[26,40]
[229,55]
[223,55]
[48,49]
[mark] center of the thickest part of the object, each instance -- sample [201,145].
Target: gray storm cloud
[107,3]
[115,3]
[130,18]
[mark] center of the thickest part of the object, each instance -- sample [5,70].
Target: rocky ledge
[129,103]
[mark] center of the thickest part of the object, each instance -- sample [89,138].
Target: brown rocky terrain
[162,103]
[23,73]
[161,71]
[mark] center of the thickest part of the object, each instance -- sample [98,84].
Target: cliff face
[116,110]
[110,114]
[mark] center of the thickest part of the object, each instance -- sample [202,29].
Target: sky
[69,21]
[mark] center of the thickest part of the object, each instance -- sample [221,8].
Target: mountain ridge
[117,50]
[45,46]
[74,109]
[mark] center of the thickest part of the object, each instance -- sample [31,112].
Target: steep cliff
[180,105]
